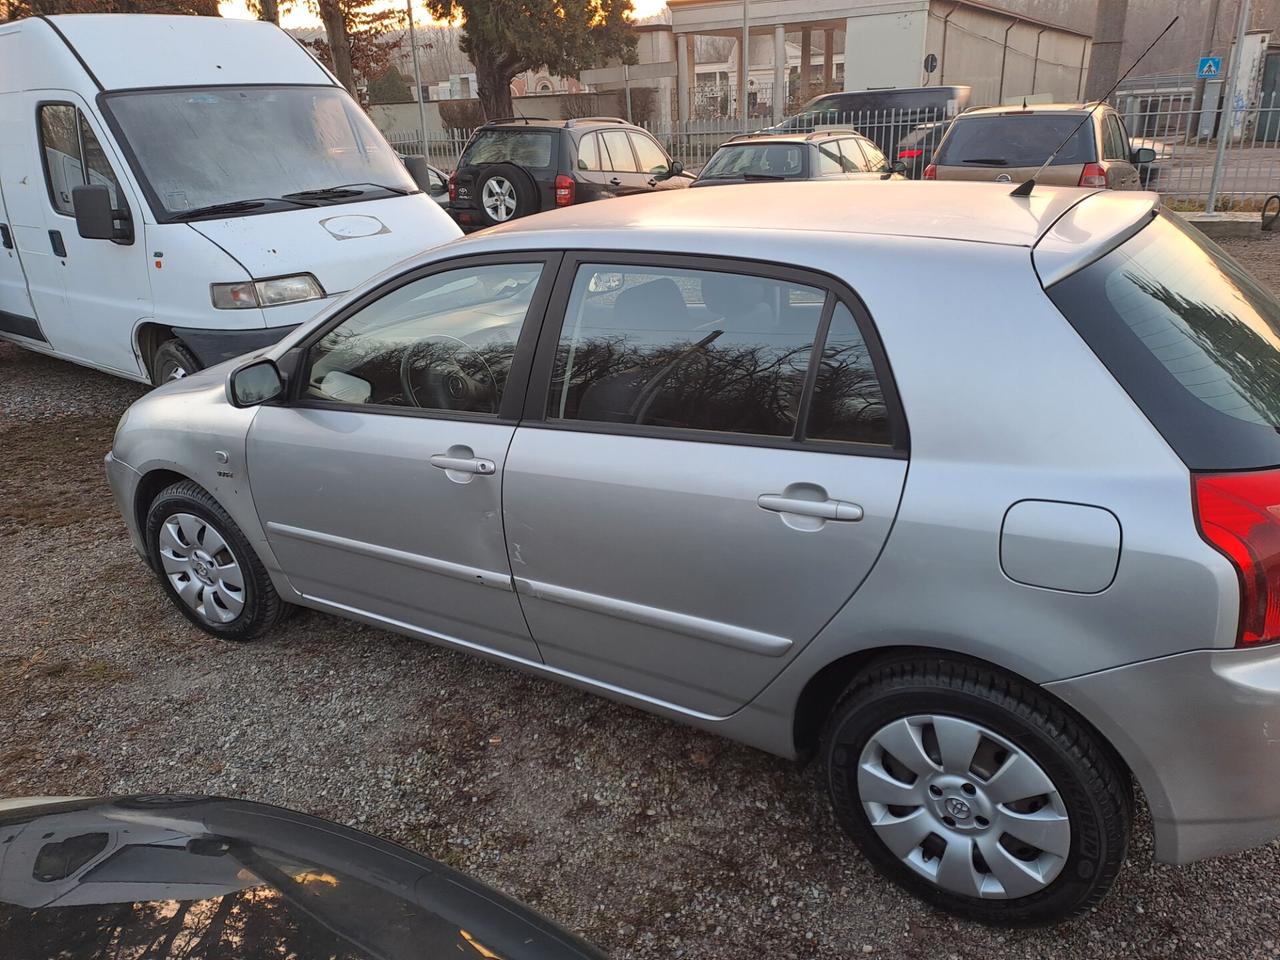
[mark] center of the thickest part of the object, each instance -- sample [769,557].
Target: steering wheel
[450,374]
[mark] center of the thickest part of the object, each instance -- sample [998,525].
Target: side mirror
[898,166]
[420,170]
[255,383]
[676,169]
[96,218]
[1144,155]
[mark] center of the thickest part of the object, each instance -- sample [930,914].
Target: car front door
[379,484]
[88,294]
[691,496]
[654,163]
[17,315]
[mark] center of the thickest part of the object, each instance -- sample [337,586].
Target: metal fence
[1183,138]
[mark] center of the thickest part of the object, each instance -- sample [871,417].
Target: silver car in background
[993,547]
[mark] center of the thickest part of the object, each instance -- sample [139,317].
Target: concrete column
[806,57]
[779,73]
[743,77]
[683,80]
[849,29]
[1108,46]
[828,58]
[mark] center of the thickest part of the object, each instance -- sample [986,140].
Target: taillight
[931,172]
[1093,175]
[564,190]
[1239,514]
[453,186]
[909,154]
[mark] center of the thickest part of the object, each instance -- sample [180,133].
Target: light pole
[1227,103]
[417,80]
[743,99]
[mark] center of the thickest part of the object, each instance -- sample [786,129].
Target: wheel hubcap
[964,807]
[202,568]
[499,198]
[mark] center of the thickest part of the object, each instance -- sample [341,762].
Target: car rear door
[379,483]
[690,496]
[621,170]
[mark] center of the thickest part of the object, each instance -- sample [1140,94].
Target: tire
[918,705]
[206,566]
[513,186]
[172,361]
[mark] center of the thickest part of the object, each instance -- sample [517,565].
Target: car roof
[947,210]
[520,123]
[1016,110]
[842,133]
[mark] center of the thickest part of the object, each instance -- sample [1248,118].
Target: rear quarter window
[1191,336]
[525,148]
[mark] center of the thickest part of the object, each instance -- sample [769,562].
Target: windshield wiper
[989,161]
[236,206]
[343,191]
[763,176]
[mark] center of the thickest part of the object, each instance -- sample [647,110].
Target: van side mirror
[255,383]
[1144,155]
[95,216]
[420,170]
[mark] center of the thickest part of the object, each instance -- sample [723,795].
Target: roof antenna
[1024,189]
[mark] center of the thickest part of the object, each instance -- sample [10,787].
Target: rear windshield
[527,148]
[1016,140]
[1192,337]
[756,160]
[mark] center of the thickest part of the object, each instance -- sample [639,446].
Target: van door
[17,316]
[88,294]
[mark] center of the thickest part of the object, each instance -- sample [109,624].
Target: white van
[175,191]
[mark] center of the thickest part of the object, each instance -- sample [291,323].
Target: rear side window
[830,163]
[618,147]
[525,148]
[1016,140]
[706,350]
[1193,339]
[1115,144]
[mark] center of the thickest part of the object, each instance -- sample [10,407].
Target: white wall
[884,49]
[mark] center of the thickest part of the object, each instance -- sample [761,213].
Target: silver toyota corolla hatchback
[973,496]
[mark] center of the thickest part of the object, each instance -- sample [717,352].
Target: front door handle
[818,509]
[55,243]
[464,464]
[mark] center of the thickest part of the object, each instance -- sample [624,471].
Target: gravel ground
[650,839]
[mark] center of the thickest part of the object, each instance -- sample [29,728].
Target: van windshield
[1191,337]
[201,147]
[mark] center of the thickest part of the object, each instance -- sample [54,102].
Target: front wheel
[976,791]
[207,567]
[173,360]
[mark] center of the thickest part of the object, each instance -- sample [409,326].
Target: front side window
[73,157]
[198,147]
[650,156]
[854,161]
[708,350]
[1193,339]
[444,342]
[876,160]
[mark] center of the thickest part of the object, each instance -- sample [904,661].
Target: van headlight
[266,293]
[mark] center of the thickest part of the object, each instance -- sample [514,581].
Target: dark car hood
[212,879]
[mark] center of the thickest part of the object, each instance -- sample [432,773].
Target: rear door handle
[820,509]
[464,464]
[6,238]
[616,182]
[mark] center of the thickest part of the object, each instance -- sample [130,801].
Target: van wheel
[207,567]
[976,791]
[505,192]
[172,361]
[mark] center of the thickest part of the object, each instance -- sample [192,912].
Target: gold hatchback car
[1008,145]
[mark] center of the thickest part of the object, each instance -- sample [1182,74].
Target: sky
[298,16]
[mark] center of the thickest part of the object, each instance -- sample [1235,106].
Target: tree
[504,38]
[360,38]
[389,88]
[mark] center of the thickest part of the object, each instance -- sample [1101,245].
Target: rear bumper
[1201,733]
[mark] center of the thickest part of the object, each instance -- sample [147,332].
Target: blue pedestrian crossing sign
[1210,68]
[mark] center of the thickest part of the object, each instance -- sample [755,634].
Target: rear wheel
[206,566]
[976,791]
[505,192]
[172,361]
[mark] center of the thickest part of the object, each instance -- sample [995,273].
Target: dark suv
[514,167]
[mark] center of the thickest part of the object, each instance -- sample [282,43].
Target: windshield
[198,147]
[1193,339]
[528,148]
[1016,140]
[756,159]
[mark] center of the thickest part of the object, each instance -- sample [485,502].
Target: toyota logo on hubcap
[958,808]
